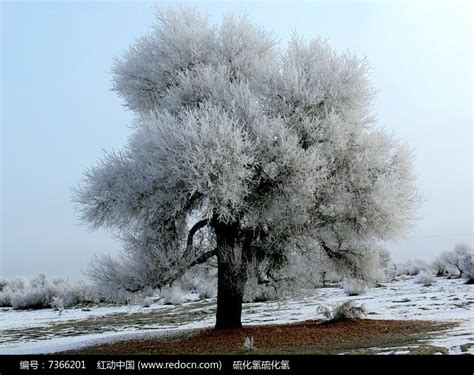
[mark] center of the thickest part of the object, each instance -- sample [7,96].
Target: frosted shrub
[13,287]
[307,270]
[201,279]
[5,300]
[41,292]
[5,296]
[353,287]
[19,284]
[111,294]
[143,299]
[425,278]
[146,302]
[391,272]
[303,272]
[347,310]
[38,296]
[118,281]
[3,283]
[385,259]
[75,293]
[260,293]
[31,299]
[248,343]
[417,266]
[259,289]
[207,288]
[172,295]
[376,265]
[57,303]
[325,311]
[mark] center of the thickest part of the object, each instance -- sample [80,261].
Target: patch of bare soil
[309,337]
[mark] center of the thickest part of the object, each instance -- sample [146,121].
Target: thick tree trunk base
[230,280]
[229,313]
[229,296]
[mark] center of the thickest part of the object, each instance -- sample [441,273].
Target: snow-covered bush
[388,268]
[118,281]
[347,310]
[112,295]
[353,287]
[259,288]
[391,272]
[308,269]
[5,300]
[125,282]
[425,278]
[201,279]
[11,288]
[366,270]
[42,291]
[57,303]
[311,269]
[75,293]
[32,299]
[385,259]
[302,272]
[39,295]
[412,267]
[207,288]
[255,292]
[115,282]
[173,295]
[20,283]
[147,302]
[3,283]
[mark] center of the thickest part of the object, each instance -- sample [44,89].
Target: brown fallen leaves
[309,337]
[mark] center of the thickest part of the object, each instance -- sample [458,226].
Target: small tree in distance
[247,154]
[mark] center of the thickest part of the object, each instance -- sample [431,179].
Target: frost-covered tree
[247,154]
[446,263]
[464,260]
[467,266]
[455,262]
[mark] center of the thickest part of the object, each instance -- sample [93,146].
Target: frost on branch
[245,155]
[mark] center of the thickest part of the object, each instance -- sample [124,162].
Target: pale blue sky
[58,112]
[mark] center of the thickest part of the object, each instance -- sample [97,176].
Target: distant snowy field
[47,331]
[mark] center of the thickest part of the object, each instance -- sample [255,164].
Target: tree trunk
[229,297]
[230,278]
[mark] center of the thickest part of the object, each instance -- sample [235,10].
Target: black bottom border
[237,364]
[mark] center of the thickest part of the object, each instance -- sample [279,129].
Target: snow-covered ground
[46,331]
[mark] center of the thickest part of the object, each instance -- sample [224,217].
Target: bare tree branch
[189,242]
[203,257]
